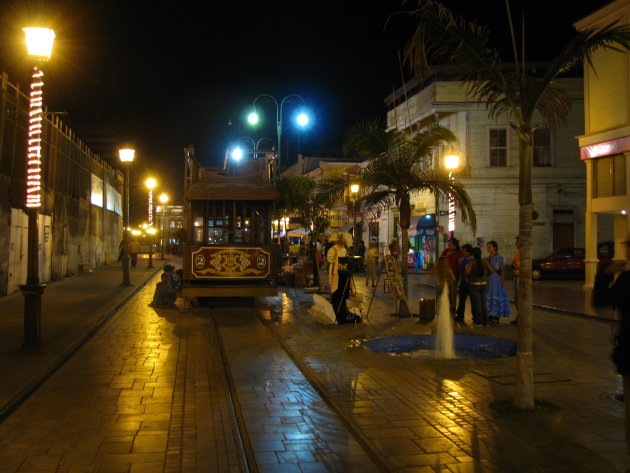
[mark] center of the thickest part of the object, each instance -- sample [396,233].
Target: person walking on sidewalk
[497,299]
[462,282]
[372,263]
[516,275]
[134,249]
[612,288]
[477,272]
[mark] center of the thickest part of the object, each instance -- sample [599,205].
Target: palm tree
[516,93]
[392,174]
[298,197]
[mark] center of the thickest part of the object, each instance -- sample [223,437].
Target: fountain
[444,347]
[444,344]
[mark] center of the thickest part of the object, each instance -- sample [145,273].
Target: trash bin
[426,311]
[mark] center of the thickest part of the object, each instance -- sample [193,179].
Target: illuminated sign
[605,148]
[34,149]
[230,263]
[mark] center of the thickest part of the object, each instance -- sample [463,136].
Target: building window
[497,141]
[542,147]
[609,176]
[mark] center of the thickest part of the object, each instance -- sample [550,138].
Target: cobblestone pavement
[147,394]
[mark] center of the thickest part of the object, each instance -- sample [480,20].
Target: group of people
[166,290]
[466,275]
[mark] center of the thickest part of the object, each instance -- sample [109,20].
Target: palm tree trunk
[524,391]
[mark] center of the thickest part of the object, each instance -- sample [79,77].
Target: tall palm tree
[513,92]
[393,175]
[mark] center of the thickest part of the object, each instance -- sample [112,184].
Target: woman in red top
[453,254]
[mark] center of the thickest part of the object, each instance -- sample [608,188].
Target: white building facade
[489,169]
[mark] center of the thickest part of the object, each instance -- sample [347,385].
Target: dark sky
[162,75]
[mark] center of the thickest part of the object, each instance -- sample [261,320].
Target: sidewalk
[72,310]
[155,374]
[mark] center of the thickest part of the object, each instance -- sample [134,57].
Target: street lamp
[163,201]
[302,118]
[126,156]
[451,162]
[150,183]
[354,190]
[39,43]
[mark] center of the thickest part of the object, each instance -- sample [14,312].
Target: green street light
[302,119]
[253,118]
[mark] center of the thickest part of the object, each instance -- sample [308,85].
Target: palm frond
[332,189]
[367,138]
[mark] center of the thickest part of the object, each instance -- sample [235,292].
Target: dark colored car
[569,262]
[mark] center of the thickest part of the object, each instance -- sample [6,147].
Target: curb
[7,409]
[549,308]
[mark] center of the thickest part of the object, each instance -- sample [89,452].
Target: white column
[590,230]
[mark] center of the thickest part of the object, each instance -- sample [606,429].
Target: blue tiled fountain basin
[423,346]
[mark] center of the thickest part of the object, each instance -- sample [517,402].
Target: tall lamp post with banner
[150,183]
[354,191]
[39,42]
[126,156]
[163,201]
[451,162]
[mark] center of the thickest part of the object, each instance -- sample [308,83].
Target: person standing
[361,254]
[445,279]
[462,282]
[453,253]
[516,275]
[477,272]
[612,288]
[134,249]
[496,297]
[372,263]
[394,249]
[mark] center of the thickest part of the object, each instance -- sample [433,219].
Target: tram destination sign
[230,262]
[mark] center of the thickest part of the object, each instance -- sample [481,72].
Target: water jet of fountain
[444,331]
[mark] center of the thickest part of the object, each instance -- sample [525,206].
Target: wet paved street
[147,393]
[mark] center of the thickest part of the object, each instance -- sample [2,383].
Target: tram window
[198,234]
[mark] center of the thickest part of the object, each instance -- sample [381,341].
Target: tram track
[240,418]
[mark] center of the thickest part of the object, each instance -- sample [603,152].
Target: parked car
[569,262]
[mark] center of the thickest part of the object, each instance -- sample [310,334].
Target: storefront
[422,241]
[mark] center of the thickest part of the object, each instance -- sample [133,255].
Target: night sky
[162,75]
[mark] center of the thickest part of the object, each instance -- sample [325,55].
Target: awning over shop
[424,225]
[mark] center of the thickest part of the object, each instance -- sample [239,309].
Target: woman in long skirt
[497,299]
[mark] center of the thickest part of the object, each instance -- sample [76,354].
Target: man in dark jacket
[612,288]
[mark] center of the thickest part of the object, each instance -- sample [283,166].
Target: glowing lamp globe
[126,155]
[39,41]
[354,188]
[150,183]
[451,162]
[237,154]
[252,118]
[302,119]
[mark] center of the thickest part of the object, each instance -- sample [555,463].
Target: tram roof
[231,191]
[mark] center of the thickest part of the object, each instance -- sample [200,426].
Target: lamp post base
[32,315]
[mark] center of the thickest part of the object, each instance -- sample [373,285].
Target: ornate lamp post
[126,156]
[163,201]
[39,42]
[150,183]
[451,163]
[302,119]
